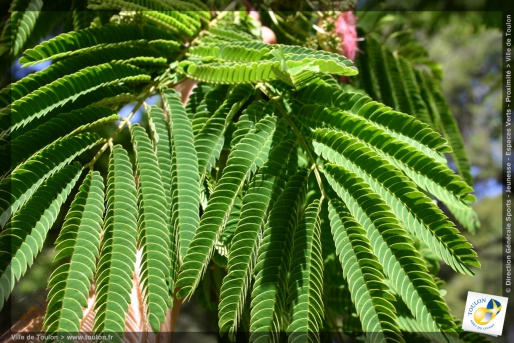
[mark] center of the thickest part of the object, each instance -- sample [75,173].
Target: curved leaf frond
[24,238]
[101,97]
[78,240]
[115,266]
[68,44]
[397,124]
[421,218]
[306,278]
[364,275]
[431,175]
[64,124]
[16,189]
[394,249]
[124,53]
[397,83]
[153,234]
[164,151]
[231,73]
[274,65]
[256,204]
[185,180]
[214,218]
[273,263]
[19,26]
[66,89]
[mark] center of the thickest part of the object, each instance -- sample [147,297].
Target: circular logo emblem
[484,315]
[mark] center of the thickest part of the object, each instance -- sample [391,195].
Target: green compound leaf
[421,217]
[78,240]
[19,26]
[239,163]
[256,203]
[272,66]
[273,262]
[153,233]
[76,42]
[65,124]
[25,235]
[395,250]
[185,179]
[305,284]
[64,90]
[397,124]
[115,266]
[162,142]
[432,175]
[16,189]
[364,274]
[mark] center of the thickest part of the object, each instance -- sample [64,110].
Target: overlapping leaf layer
[268,190]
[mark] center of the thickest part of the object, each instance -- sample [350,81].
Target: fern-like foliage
[305,280]
[185,182]
[19,26]
[163,151]
[214,219]
[281,199]
[17,189]
[268,181]
[153,235]
[364,275]
[115,264]
[394,80]
[25,235]
[64,90]
[273,263]
[79,240]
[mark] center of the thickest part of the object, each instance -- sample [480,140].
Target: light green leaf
[395,250]
[214,218]
[153,233]
[115,267]
[23,239]
[305,282]
[420,216]
[273,262]
[364,274]
[185,179]
[78,240]
[16,189]
[256,204]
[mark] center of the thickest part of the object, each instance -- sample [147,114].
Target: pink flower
[345,28]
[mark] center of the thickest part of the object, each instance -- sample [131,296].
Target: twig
[303,143]
[124,121]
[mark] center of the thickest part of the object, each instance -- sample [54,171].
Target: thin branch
[124,121]
[305,146]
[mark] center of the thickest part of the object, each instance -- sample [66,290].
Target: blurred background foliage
[468,46]
[469,50]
